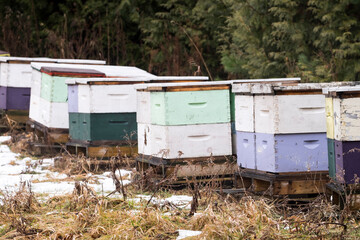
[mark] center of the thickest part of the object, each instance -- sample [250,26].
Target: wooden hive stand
[344,195]
[101,149]
[185,170]
[46,140]
[293,184]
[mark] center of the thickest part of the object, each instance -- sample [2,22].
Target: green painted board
[53,88]
[190,107]
[331,158]
[102,126]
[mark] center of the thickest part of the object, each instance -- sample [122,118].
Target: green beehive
[92,127]
[190,107]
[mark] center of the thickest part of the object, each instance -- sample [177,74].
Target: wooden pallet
[344,195]
[39,149]
[190,169]
[100,151]
[294,184]
[49,136]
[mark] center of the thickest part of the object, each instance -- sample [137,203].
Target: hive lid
[164,79]
[26,59]
[183,86]
[60,71]
[105,80]
[109,71]
[284,88]
[81,61]
[247,86]
[342,89]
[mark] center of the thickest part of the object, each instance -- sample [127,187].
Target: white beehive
[163,141]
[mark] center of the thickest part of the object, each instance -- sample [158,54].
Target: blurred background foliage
[225,39]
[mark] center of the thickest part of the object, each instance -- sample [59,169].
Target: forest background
[316,40]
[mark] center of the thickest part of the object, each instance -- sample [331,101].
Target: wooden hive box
[244,91]
[291,152]
[102,109]
[346,129]
[184,141]
[292,109]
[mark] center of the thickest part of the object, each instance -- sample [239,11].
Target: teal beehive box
[190,107]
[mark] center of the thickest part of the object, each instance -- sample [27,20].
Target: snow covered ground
[14,170]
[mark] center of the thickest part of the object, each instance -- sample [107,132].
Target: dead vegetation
[85,214]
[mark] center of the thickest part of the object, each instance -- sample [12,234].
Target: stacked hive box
[15,81]
[49,93]
[281,128]
[182,122]
[102,113]
[343,132]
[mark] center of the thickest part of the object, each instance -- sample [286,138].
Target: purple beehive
[14,98]
[347,154]
[73,99]
[291,152]
[18,98]
[245,147]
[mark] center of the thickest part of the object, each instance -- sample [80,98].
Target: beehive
[53,88]
[16,76]
[185,120]
[289,123]
[344,158]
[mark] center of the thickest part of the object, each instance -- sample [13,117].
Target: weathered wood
[344,195]
[114,82]
[299,187]
[195,88]
[301,183]
[103,151]
[201,170]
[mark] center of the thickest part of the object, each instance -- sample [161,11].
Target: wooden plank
[201,170]
[109,151]
[260,185]
[299,187]
[196,88]
[304,92]
[114,82]
[57,137]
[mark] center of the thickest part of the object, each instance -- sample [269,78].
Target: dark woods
[225,39]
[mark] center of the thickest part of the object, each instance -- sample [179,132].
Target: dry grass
[85,215]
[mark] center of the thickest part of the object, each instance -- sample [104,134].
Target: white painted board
[34,110]
[143,104]
[244,113]
[188,141]
[36,83]
[347,119]
[53,114]
[144,142]
[106,98]
[290,114]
